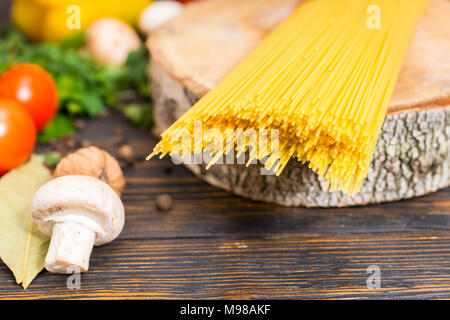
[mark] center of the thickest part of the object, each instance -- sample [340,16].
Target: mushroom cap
[81,199]
[158,13]
[110,41]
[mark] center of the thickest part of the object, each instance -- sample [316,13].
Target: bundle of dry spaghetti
[323,78]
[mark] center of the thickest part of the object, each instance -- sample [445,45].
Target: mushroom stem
[70,248]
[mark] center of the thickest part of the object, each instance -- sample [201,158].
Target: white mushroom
[158,13]
[110,41]
[78,212]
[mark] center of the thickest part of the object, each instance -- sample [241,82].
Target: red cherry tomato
[34,89]
[17,135]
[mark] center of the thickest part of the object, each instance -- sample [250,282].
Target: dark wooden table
[215,245]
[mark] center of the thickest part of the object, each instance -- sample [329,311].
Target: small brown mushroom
[93,162]
[110,41]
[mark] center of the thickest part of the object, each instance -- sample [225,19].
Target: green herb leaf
[139,114]
[52,158]
[61,126]
[74,42]
[91,103]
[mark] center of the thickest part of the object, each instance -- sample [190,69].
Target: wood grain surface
[215,245]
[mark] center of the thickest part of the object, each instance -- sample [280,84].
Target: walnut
[93,162]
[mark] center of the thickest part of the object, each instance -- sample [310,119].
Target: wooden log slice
[192,52]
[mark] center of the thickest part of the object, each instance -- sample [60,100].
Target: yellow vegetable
[55,20]
[27,17]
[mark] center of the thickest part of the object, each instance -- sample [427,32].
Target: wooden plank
[216,245]
[285,266]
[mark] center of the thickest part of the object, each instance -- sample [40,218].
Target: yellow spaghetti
[323,78]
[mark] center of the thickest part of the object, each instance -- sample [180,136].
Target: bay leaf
[22,246]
